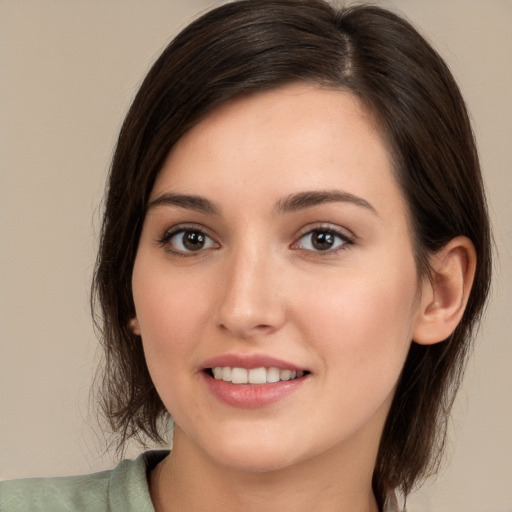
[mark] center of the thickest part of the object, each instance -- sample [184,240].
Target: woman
[295,251]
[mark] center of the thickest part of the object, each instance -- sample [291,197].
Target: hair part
[250,46]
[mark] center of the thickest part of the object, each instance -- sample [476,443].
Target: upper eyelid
[343,232]
[184,226]
[168,233]
[165,241]
[327,226]
[341,236]
[346,244]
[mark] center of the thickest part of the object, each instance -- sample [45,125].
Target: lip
[251,396]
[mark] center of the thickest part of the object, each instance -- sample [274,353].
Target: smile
[261,375]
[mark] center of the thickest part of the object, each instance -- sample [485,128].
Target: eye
[322,240]
[186,241]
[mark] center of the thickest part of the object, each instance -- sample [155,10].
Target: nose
[251,302]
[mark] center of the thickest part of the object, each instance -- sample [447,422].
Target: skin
[259,286]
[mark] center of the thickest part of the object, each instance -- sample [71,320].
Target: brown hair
[255,45]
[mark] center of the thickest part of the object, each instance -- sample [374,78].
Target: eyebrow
[304,200]
[289,204]
[189,202]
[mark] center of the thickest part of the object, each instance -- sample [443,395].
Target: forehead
[283,141]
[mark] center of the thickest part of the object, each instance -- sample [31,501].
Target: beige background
[68,71]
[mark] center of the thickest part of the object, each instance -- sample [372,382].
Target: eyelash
[165,240]
[346,240]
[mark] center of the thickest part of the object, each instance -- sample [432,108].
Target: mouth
[250,381]
[255,376]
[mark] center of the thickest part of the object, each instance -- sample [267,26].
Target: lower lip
[252,396]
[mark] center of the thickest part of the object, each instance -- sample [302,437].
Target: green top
[123,489]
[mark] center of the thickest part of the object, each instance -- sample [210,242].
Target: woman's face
[277,245]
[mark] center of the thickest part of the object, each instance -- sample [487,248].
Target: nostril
[245,329]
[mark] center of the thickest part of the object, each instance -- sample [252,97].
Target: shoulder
[60,493]
[122,489]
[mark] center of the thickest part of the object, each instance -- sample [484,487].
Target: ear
[445,292]
[133,324]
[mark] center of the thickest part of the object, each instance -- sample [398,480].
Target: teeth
[239,375]
[257,376]
[273,375]
[254,375]
[285,374]
[226,374]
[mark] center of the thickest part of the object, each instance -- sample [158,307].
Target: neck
[188,480]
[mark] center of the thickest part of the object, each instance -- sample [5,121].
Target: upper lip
[249,361]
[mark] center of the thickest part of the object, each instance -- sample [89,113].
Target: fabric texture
[123,489]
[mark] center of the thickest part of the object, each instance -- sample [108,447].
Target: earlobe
[134,326]
[445,293]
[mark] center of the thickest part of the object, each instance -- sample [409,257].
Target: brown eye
[323,240]
[193,240]
[189,240]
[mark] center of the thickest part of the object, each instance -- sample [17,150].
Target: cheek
[165,298]
[168,313]
[363,321]
[363,332]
